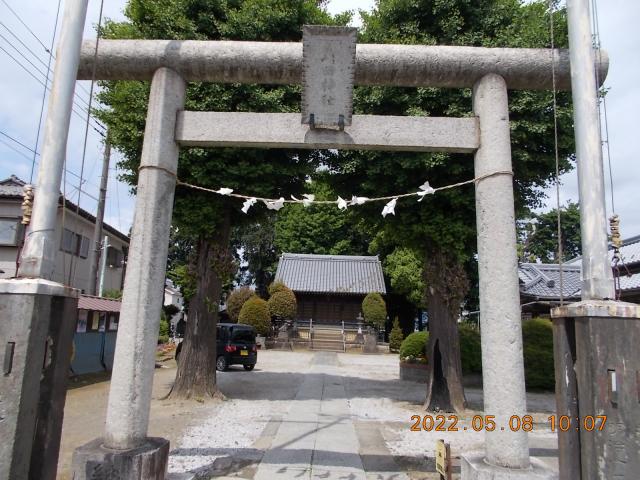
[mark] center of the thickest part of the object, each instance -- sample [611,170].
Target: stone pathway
[317,439]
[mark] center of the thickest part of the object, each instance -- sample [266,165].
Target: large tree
[442,227]
[538,235]
[208,220]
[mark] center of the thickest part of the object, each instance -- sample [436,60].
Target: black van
[235,345]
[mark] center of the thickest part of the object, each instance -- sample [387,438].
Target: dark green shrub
[413,348]
[236,300]
[255,312]
[470,350]
[374,309]
[282,304]
[395,337]
[537,337]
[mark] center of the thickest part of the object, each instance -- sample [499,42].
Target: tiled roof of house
[629,252]
[99,304]
[542,280]
[331,273]
[12,188]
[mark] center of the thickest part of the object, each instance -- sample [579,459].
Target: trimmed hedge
[537,336]
[283,305]
[395,337]
[255,312]
[374,309]
[236,300]
[413,348]
[276,287]
[470,350]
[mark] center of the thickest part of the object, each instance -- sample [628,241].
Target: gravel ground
[229,437]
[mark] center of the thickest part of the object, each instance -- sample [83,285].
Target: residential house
[540,282]
[74,229]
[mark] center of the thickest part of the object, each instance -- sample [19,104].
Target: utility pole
[97,232]
[103,265]
[597,283]
[39,253]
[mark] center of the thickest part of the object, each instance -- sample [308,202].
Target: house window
[84,246]
[113,321]
[10,229]
[75,243]
[115,257]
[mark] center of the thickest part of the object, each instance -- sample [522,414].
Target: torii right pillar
[596,340]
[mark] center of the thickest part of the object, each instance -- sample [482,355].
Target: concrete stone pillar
[134,361]
[125,449]
[502,358]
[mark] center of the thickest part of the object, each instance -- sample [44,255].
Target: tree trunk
[196,374]
[446,286]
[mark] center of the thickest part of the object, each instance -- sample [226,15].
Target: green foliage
[256,242]
[413,348]
[236,300]
[282,304]
[374,309]
[539,235]
[470,349]
[320,229]
[114,294]
[395,337]
[183,278]
[537,337]
[163,334]
[255,312]
[170,310]
[404,269]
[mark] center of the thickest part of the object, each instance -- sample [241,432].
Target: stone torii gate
[125,451]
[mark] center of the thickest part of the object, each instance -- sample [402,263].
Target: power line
[27,27]
[96,123]
[99,125]
[34,152]
[48,72]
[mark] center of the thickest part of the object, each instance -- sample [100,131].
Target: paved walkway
[317,439]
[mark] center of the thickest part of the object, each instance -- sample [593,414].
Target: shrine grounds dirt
[229,438]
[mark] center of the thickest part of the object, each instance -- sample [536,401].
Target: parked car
[235,345]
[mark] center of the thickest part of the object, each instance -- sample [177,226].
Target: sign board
[329,57]
[443,459]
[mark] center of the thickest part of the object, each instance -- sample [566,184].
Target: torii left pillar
[125,451]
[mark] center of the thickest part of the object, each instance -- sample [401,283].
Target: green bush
[163,334]
[395,337]
[255,312]
[283,305]
[537,337]
[374,309]
[236,300]
[470,350]
[413,348]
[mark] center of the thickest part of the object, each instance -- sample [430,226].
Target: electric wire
[557,156]
[86,130]
[96,124]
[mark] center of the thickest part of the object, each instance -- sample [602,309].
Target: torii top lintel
[281,63]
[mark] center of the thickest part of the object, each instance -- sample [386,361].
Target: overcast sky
[21,95]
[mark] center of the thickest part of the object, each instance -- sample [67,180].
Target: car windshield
[243,335]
